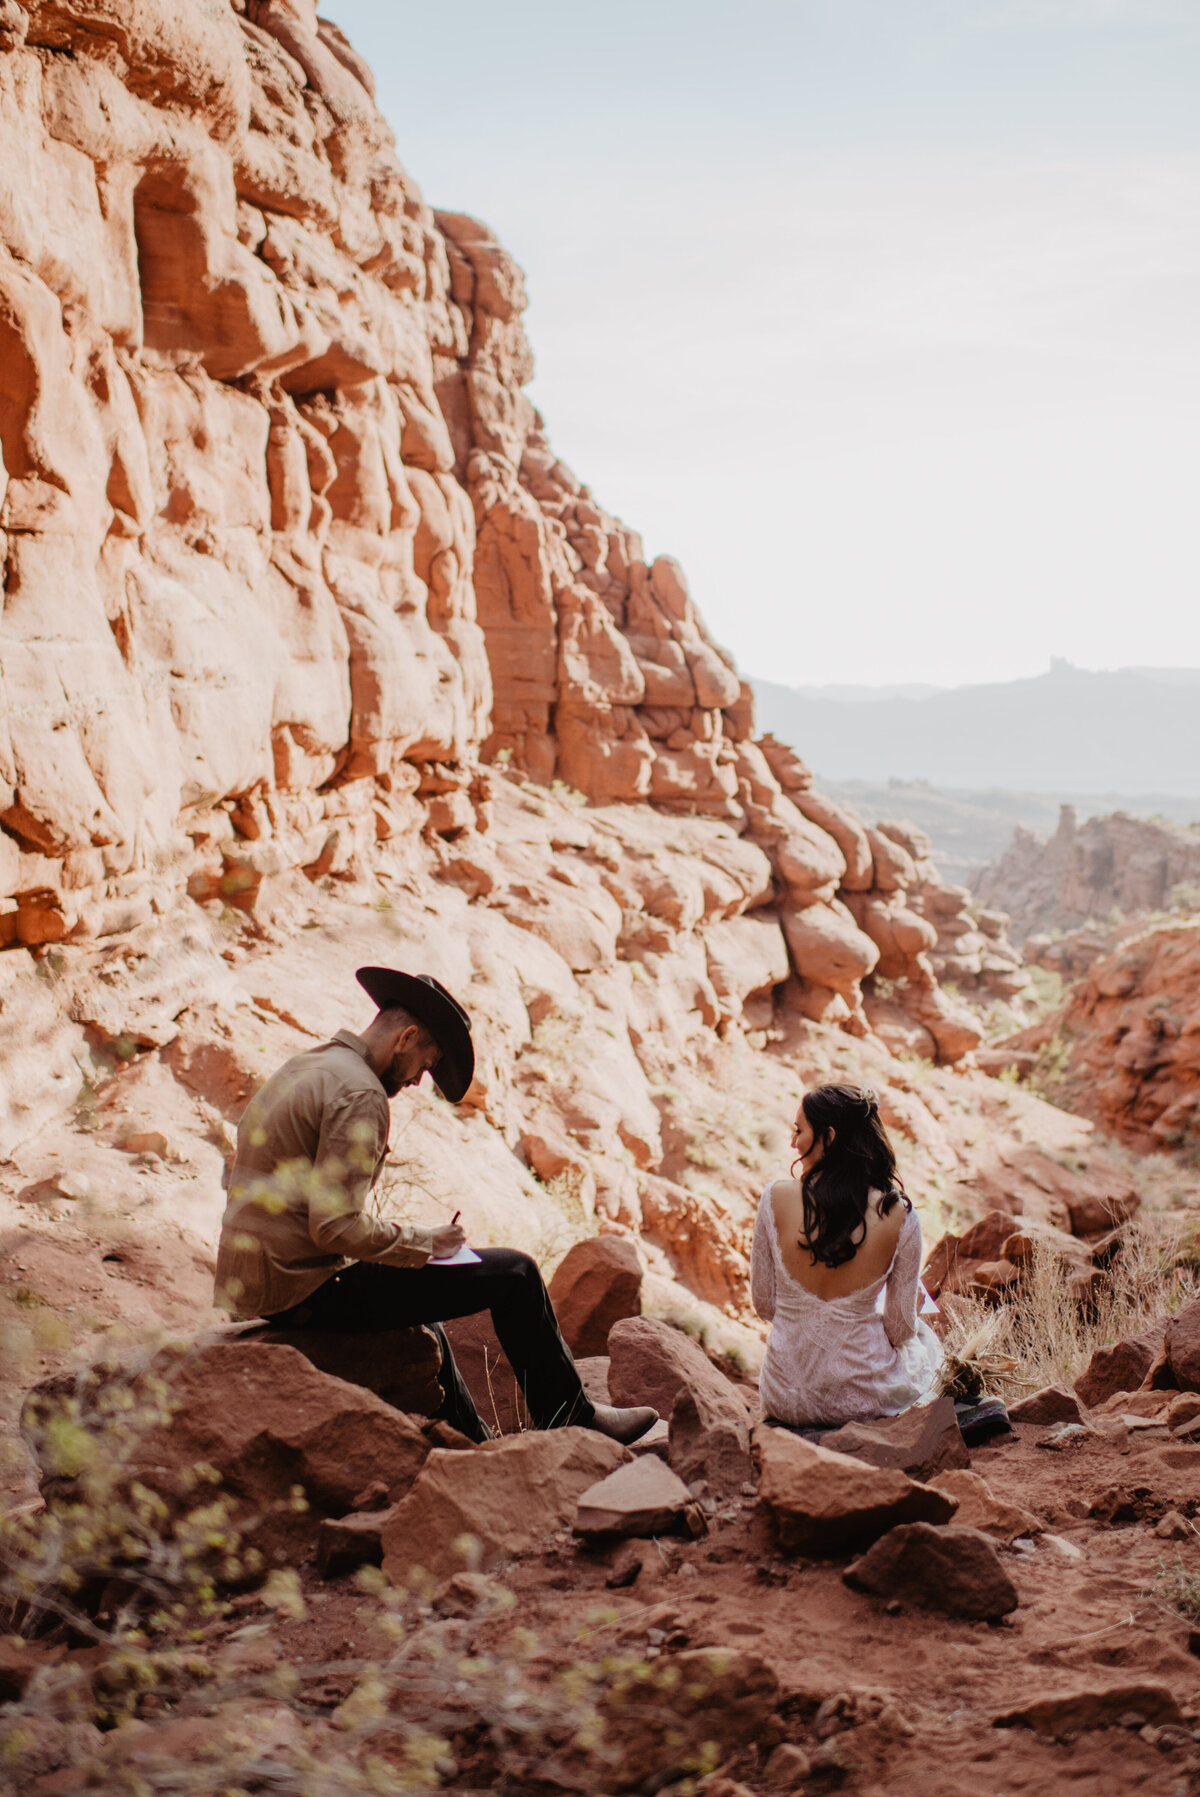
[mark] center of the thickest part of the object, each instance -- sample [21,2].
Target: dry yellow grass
[1044,1337]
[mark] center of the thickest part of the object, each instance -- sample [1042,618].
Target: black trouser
[365,1297]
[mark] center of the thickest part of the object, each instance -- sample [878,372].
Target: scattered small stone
[1183,1409]
[1064,1436]
[344,1543]
[626,1567]
[1182,1345]
[953,1569]
[980,1508]
[1173,1527]
[1121,1367]
[1097,1707]
[1122,1503]
[372,1497]
[145,1141]
[923,1442]
[788,1767]
[643,1497]
[1050,1405]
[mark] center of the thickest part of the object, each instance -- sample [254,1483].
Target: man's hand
[447,1241]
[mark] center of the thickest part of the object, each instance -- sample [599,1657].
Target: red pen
[454,1218]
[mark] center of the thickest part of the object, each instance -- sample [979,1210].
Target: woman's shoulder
[893,1208]
[781,1191]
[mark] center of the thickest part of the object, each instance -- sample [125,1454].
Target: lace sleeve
[762,1262]
[904,1284]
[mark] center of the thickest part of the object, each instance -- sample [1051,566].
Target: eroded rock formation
[313,653]
[1086,872]
[1125,1047]
[289,557]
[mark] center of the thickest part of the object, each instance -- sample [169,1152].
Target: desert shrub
[1051,1070]
[125,1617]
[1176,1590]
[1045,1336]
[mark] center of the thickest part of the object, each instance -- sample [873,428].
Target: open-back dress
[839,1360]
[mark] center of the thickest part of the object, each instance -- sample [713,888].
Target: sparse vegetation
[1046,1337]
[1176,1590]
[164,1599]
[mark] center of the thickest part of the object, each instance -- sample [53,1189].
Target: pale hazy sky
[882,315]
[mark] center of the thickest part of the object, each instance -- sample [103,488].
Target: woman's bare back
[870,1261]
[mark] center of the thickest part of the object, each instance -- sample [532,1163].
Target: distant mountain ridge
[1130,730]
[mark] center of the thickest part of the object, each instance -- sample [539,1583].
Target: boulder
[709,1442]
[922,1441]
[828,948]
[1093,1215]
[985,1240]
[644,1497]
[650,1363]
[823,1503]
[1096,1706]
[1051,1405]
[1121,1367]
[401,1366]
[1183,1410]
[508,1495]
[597,1283]
[980,1508]
[954,1569]
[1182,1346]
[267,1421]
[940,1263]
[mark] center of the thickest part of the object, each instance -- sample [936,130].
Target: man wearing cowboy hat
[298,1247]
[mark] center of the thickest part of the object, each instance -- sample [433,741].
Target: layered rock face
[1087,871]
[288,557]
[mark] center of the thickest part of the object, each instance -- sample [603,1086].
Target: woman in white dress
[835,1269]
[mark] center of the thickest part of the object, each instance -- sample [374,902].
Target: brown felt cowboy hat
[428,1001]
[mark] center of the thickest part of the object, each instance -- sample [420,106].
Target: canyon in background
[312,654]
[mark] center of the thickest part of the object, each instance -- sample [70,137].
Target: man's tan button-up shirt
[309,1148]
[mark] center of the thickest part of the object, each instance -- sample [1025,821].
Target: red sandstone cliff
[310,648]
[287,554]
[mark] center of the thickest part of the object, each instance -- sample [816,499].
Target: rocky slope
[1085,872]
[289,557]
[294,586]
[313,653]
[1124,1047]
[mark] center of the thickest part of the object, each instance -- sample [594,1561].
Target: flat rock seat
[401,1366]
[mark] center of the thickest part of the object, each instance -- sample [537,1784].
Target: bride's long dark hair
[857,1160]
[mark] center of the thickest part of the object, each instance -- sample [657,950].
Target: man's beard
[399,1073]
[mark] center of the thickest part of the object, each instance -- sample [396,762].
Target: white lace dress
[837,1360]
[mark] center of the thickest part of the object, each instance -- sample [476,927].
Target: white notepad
[462,1257]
